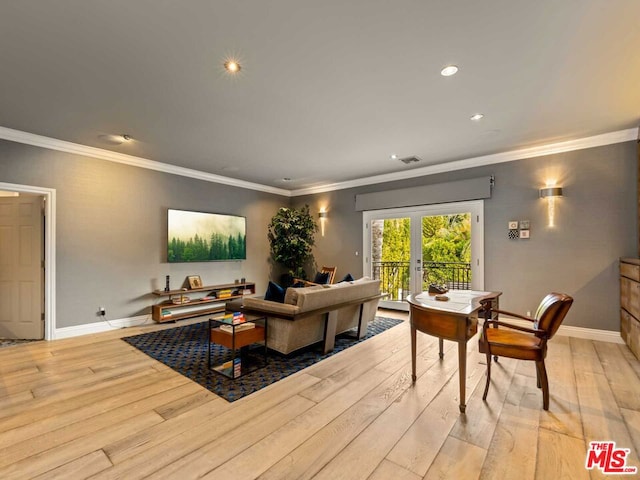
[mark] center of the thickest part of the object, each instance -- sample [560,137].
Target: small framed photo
[194,281]
[513,224]
[524,233]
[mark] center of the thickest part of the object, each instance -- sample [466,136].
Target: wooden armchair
[525,343]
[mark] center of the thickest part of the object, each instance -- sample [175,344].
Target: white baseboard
[103,326]
[610,336]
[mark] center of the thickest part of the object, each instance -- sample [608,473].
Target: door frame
[49,195]
[475,207]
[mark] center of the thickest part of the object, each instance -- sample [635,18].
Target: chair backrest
[331,271]
[551,312]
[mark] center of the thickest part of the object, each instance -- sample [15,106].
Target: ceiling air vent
[409,160]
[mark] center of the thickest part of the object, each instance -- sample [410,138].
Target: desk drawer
[630,270]
[448,327]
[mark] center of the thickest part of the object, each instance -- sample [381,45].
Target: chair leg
[486,387]
[544,381]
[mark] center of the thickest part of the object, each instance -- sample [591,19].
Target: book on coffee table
[239,327]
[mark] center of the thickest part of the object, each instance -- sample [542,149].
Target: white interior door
[21,267]
[398,259]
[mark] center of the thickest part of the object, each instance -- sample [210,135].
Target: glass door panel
[409,248]
[390,258]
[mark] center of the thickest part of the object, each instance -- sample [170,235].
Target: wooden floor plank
[51,459]
[45,407]
[478,426]
[388,470]
[360,458]
[560,456]
[262,455]
[241,412]
[516,433]
[354,415]
[78,469]
[232,443]
[621,376]
[601,417]
[563,415]
[89,413]
[457,459]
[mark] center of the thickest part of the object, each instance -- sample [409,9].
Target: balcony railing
[394,277]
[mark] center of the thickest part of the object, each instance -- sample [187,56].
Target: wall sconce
[551,193]
[323,217]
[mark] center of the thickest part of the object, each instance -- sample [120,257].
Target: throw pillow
[275,293]
[347,278]
[321,278]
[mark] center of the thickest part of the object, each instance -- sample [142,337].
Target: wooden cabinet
[630,303]
[178,304]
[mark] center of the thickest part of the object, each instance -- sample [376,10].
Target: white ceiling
[328,89]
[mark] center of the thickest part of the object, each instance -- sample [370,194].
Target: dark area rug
[184,349]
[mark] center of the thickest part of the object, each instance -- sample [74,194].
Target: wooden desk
[456,320]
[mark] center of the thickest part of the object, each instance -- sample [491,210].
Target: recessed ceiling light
[477,116]
[232,66]
[394,157]
[449,70]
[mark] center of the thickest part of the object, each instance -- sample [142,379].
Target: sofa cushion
[275,293]
[347,278]
[321,278]
[327,295]
[291,296]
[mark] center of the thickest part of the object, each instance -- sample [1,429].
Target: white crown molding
[531,152]
[69,147]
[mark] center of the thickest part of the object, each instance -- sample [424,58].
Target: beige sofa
[317,313]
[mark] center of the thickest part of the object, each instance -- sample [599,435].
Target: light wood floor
[95,407]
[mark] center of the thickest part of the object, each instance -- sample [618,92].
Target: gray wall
[596,224]
[111,229]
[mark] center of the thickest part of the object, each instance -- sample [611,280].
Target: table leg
[462,366]
[413,353]
[441,345]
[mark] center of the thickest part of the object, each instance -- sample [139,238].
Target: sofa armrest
[267,306]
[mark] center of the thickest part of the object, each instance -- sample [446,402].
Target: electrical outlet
[528,313]
[102,311]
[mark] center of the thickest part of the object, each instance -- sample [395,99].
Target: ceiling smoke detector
[409,160]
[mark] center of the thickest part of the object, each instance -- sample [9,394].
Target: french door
[409,248]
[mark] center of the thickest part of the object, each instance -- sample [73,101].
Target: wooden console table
[455,319]
[201,301]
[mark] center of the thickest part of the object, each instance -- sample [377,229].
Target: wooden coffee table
[242,344]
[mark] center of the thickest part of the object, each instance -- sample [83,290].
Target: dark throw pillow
[275,293]
[321,278]
[347,278]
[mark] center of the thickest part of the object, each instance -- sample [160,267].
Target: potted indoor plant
[291,235]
